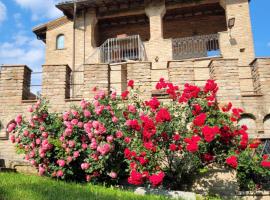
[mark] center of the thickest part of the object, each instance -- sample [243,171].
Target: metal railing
[195,47]
[116,50]
[35,86]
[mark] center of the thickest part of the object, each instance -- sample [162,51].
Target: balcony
[195,47]
[115,50]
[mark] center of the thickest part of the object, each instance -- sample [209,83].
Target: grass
[24,187]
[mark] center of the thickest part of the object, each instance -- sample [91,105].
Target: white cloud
[23,50]
[18,20]
[41,9]
[3,12]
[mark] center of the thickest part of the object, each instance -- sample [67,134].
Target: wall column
[90,33]
[96,75]
[14,87]
[225,73]
[158,50]
[237,43]
[140,73]
[56,85]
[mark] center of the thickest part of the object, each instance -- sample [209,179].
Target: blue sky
[18,45]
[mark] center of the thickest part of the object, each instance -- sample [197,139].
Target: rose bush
[147,142]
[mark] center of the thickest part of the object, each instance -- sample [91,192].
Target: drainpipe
[74,46]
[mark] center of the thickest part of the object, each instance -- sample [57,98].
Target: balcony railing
[195,47]
[116,50]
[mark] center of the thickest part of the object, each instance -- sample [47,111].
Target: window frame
[57,44]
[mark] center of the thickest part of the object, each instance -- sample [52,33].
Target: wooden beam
[123,13]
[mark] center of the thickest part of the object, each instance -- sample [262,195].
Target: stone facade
[157,23]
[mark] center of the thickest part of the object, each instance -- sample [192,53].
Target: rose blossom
[76,154]
[61,163]
[113,175]
[60,173]
[87,113]
[119,134]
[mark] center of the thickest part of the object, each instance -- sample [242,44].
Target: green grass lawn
[23,187]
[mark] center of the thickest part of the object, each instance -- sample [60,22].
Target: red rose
[150,146]
[210,86]
[265,164]
[131,84]
[153,103]
[157,179]
[143,161]
[200,119]
[135,178]
[176,137]
[209,133]
[163,115]
[196,109]
[173,147]
[232,161]
[227,108]
[127,153]
[265,156]
[192,143]
[124,95]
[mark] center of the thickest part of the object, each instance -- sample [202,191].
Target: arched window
[60,42]
[250,121]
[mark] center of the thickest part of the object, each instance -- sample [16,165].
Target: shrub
[147,142]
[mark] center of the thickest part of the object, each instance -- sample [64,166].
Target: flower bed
[145,142]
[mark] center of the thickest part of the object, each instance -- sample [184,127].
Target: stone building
[105,43]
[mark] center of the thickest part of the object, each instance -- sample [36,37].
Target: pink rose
[80,124]
[69,159]
[25,133]
[41,170]
[84,146]
[95,124]
[71,144]
[114,119]
[76,154]
[119,134]
[30,109]
[11,127]
[84,104]
[12,138]
[74,122]
[18,119]
[85,166]
[61,163]
[109,139]
[87,113]
[75,113]
[93,145]
[38,141]
[132,109]
[60,173]
[67,132]
[104,149]
[45,134]
[113,175]
[113,96]
[88,178]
